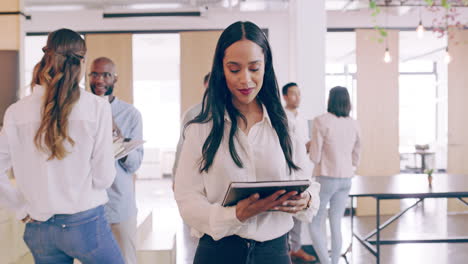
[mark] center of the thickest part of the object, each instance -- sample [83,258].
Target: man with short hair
[190,242]
[190,114]
[121,210]
[299,129]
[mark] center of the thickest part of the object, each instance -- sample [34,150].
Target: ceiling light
[447,57]
[387,57]
[420,30]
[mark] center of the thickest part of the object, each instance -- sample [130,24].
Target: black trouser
[237,250]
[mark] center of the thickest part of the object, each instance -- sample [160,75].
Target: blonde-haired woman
[58,141]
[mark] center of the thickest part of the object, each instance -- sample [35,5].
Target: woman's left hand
[295,204]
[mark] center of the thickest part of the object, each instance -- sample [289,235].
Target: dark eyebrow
[250,63]
[255,62]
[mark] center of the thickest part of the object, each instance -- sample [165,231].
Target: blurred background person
[121,210]
[190,242]
[58,141]
[299,129]
[335,150]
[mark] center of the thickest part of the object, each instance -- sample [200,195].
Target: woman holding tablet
[241,135]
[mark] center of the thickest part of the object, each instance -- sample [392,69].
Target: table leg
[350,246]
[377,218]
[352,221]
[423,163]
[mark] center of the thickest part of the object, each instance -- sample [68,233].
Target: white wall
[92,20]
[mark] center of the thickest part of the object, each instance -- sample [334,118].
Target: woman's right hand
[252,206]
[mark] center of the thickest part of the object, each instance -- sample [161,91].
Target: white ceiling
[336,51]
[51,5]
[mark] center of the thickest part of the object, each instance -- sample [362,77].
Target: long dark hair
[59,72]
[218,99]
[339,103]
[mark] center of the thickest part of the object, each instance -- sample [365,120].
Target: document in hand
[124,146]
[240,190]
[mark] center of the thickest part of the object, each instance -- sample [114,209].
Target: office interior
[408,87]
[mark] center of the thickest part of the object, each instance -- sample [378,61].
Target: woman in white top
[58,141]
[240,135]
[334,149]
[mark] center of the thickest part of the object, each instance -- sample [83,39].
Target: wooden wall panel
[196,58]
[377,111]
[457,149]
[117,47]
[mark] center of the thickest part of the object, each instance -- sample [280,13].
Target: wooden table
[402,186]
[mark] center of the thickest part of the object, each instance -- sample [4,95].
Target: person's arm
[132,162]
[205,217]
[102,159]
[10,197]
[313,203]
[316,144]
[357,148]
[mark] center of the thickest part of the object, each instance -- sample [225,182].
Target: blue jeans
[238,250]
[85,236]
[334,191]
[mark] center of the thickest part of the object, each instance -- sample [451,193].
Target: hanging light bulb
[420,30]
[447,57]
[387,58]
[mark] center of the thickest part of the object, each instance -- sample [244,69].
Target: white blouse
[335,146]
[199,195]
[74,184]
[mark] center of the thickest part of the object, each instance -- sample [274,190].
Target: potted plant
[429,176]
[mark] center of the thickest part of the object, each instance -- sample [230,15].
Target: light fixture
[420,28]
[387,57]
[154,14]
[447,57]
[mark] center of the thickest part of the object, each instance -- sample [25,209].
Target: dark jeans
[85,236]
[237,250]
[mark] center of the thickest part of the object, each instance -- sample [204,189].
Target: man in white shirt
[190,242]
[190,114]
[299,129]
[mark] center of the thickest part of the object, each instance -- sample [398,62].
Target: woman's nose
[245,77]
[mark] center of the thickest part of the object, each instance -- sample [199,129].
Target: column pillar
[377,112]
[308,28]
[457,149]
[12,246]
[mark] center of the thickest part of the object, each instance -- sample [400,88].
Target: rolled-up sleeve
[201,215]
[133,160]
[102,160]
[10,197]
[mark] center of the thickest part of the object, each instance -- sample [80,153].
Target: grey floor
[427,220]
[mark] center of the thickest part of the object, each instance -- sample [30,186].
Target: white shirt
[199,195]
[299,126]
[71,185]
[335,146]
